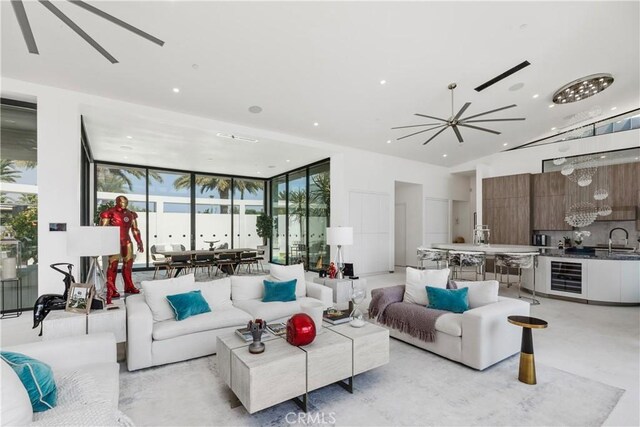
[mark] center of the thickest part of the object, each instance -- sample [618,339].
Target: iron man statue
[120,216]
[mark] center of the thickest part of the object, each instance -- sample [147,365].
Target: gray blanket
[418,321]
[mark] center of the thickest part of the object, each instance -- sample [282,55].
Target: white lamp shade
[342,236]
[93,241]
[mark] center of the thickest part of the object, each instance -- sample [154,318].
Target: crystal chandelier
[600,194]
[581,214]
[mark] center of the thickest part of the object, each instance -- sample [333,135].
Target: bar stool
[520,260]
[461,259]
[435,255]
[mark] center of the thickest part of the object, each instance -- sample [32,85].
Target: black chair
[247,259]
[160,261]
[204,261]
[226,263]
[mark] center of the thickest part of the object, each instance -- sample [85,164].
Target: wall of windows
[198,211]
[300,207]
[19,198]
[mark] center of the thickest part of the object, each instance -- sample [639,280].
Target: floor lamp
[339,236]
[94,242]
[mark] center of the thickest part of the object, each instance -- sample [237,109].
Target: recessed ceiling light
[388,141]
[255,109]
[552,105]
[535,96]
[383,82]
[614,108]
[288,160]
[129,137]
[444,155]
[553,128]
[603,157]
[258,172]
[316,124]
[637,158]
[505,144]
[125,157]
[176,90]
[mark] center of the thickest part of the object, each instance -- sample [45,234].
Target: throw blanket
[413,319]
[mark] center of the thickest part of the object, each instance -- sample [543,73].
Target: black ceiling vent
[504,75]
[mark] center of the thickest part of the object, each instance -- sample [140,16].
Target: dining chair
[160,261]
[226,263]
[204,261]
[247,258]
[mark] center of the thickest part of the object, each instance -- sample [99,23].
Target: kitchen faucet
[626,238]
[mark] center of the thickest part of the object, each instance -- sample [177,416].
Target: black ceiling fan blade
[462,110]
[430,117]
[491,111]
[492,120]
[479,128]
[117,21]
[426,130]
[458,135]
[437,133]
[79,31]
[23,21]
[415,126]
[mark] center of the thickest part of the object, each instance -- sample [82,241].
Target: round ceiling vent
[255,109]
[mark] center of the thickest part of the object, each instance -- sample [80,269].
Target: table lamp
[94,242]
[339,236]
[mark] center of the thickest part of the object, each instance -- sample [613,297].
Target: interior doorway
[408,223]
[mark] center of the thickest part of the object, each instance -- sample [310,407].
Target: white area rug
[415,388]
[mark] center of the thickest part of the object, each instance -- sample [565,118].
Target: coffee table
[284,372]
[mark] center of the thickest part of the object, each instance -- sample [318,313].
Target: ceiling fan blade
[23,21]
[491,111]
[117,21]
[415,126]
[479,128]
[431,117]
[455,129]
[492,120]
[407,136]
[64,18]
[462,110]
[437,133]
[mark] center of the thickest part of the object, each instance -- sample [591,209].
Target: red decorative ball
[301,330]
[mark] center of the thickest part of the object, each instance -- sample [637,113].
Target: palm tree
[321,194]
[105,174]
[207,183]
[246,185]
[8,173]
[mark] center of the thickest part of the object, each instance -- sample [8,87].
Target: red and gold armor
[120,216]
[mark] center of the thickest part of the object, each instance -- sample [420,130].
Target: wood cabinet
[506,208]
[549,204]
[623,191]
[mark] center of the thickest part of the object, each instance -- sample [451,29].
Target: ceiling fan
[455,121]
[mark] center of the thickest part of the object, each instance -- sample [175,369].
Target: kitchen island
[600,278]
[487,249]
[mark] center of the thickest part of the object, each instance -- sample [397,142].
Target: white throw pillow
[480,293]
[217,293]
[156,291]
[282,273]
[247,287]
[415,290]
[14,400]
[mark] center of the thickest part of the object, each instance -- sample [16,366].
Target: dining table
[187,256]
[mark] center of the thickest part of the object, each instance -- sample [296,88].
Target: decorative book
[277,329]
[336,317]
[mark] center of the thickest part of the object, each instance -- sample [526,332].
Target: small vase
[256,328]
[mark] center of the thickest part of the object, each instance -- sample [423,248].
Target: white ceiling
[306,62]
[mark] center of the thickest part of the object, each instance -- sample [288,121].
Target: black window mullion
[306,240]
[286,215]
[192,179]
[231,209]
[146,197]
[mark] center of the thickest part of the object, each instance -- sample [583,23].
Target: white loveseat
[156,338]
[86,374]
[479,337]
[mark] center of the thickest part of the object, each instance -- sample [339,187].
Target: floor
[597,342]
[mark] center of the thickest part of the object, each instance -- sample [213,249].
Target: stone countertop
[604,255]
[489,249]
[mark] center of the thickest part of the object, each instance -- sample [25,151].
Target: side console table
[61,323]
[341,289]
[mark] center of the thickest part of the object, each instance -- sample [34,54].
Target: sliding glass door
[213,208]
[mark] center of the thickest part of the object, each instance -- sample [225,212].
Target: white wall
[59,169]
[411,196]
[460,223]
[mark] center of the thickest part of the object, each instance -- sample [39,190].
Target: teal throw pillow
[188,304]
[279,291]
[37,378]
[454,300]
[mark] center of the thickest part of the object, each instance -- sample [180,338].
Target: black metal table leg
[347,385]
[302,402]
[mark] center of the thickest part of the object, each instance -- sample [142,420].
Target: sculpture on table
[301,329]
[332,271]
[120,216]
[48,302]
[256,328]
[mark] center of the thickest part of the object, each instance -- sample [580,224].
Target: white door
[436,221]
[401,234]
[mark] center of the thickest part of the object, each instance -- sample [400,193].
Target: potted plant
[264,227]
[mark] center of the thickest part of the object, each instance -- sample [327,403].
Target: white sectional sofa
[156,338]
[479,337]
[87,378]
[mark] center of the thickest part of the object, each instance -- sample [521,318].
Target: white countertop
[489,249]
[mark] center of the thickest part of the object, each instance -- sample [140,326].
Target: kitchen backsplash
[600,234]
